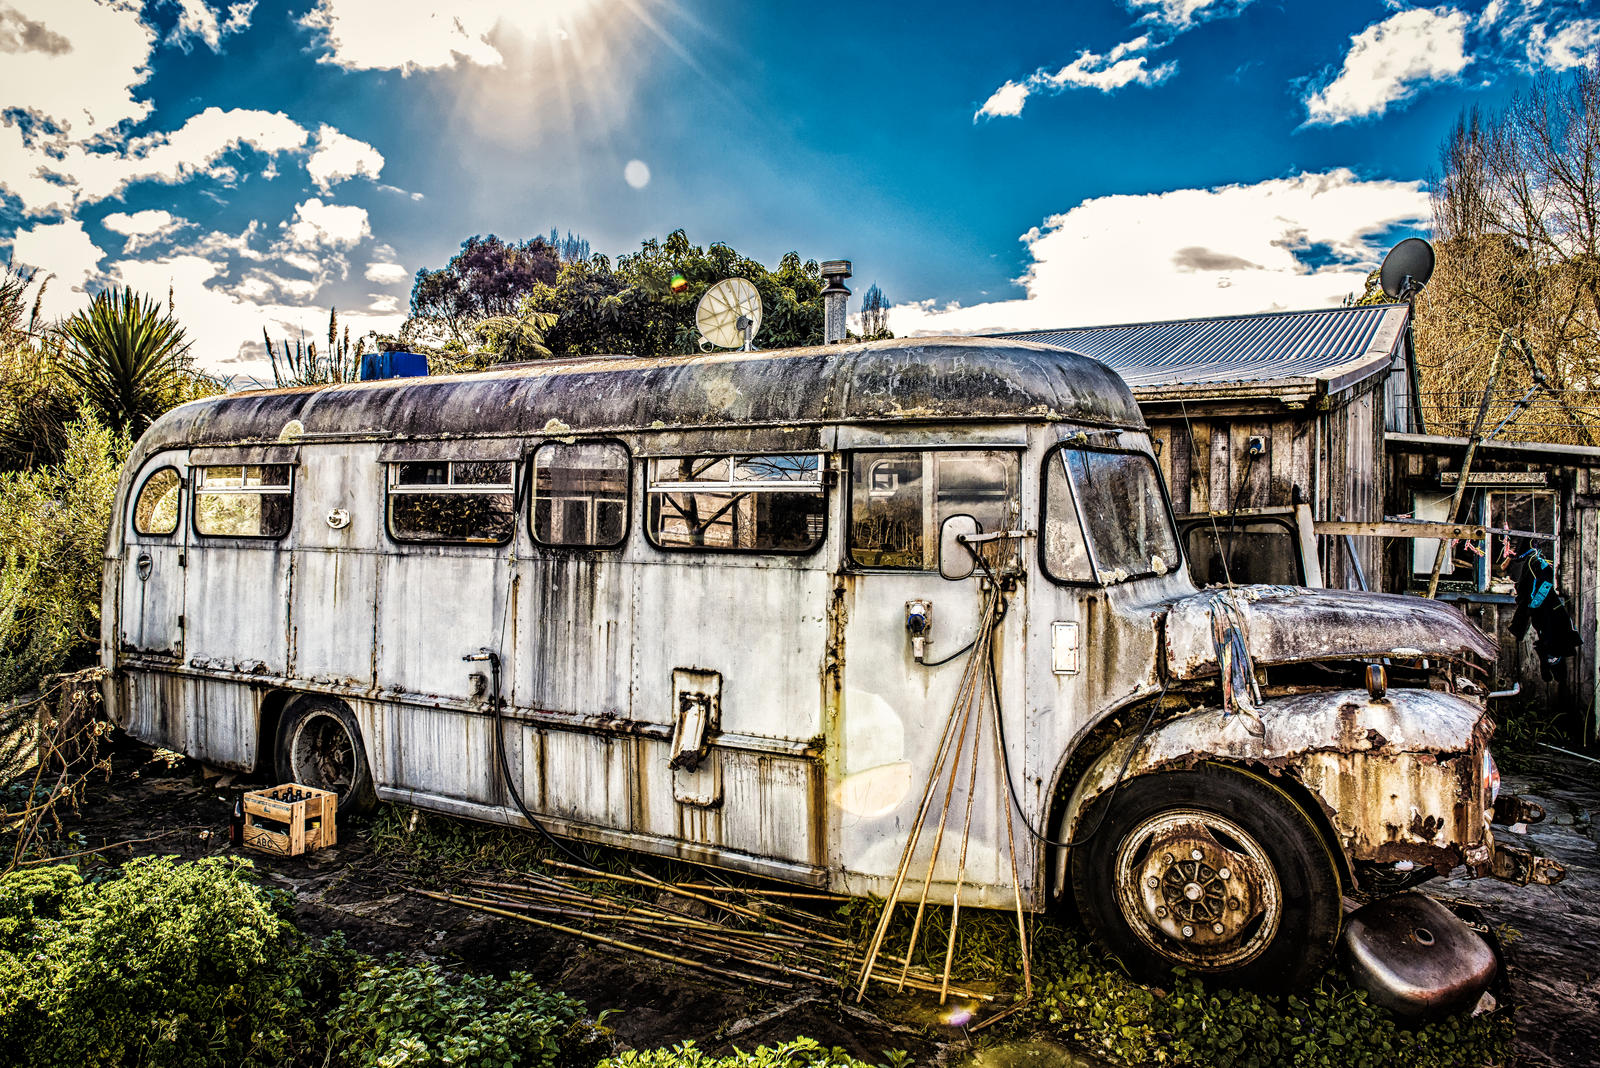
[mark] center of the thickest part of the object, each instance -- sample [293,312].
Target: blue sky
[991,167]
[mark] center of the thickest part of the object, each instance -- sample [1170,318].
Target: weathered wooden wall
[1333,457]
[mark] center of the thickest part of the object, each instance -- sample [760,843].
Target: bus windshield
[1106,518]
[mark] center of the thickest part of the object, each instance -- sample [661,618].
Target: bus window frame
[847,465]
[530,469]
[197,475]
[1100,581]
[647,486]
[392,471]
[133,505]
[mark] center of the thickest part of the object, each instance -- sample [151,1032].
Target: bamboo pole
[1466,462]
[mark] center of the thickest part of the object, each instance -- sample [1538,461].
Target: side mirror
[955,559]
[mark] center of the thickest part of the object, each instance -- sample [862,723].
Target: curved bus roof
[947,379]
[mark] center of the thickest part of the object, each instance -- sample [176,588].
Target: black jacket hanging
[1540,603]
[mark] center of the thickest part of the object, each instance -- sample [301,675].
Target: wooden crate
[289,820]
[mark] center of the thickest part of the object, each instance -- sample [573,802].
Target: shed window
[898,500]
[580,495]
[737,503]
[245,501]
[459,501]
[156,509]
[1516,518]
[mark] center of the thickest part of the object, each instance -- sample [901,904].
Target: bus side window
[155,511]
[459,501]
[737,503]
[580,494]
[899,499]
[244,501]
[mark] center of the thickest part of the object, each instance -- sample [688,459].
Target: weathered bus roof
[947,379]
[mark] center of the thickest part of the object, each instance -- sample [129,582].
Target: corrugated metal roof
[1263,348]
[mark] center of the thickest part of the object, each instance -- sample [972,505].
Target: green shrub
[1094,1005]
[420,1015]
[800,1053]
[168,963]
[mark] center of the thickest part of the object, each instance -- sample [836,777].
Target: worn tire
[319,745]
[1261,906]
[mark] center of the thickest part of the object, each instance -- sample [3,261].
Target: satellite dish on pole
[1407,268]
[729,314]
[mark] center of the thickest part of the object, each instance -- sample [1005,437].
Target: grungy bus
[712,607]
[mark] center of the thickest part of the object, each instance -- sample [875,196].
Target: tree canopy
[642,305]
[1517,226]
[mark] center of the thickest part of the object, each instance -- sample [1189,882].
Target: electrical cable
[1005,751]
[518,498]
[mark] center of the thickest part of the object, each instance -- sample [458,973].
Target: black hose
[505,764]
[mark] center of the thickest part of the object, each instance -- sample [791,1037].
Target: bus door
[150,618]
[895,705]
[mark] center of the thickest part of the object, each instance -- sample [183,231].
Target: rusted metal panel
[1286,624]
[922,380]
[236,611]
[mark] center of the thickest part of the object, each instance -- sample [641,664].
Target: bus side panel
[209,719]
[574,775]
[574,635]
[333,617]
[437,606]
[435,751]
[770,806]
[236,607]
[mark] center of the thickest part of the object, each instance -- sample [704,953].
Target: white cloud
[387,274]
[1191,252]
[338,157]
[317,225]
[198,19]
[225,322]
[64,250]
[1004,102]
[409,34]
[1122,66]
[1181,14]
[1390,61]
[144,228]
[384,303]
[1572,45]
[53,176]
[74,62]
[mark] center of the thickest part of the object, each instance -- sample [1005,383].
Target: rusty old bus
[706,607]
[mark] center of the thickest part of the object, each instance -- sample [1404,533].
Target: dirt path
[1554,962]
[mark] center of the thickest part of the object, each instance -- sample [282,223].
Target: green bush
[167,963]
[800,1053]
[420,1015]
[1333,1024]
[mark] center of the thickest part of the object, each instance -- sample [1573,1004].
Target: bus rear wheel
[1214,870]
[319,745]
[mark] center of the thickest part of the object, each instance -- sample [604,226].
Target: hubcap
[1198,889]
[322,755]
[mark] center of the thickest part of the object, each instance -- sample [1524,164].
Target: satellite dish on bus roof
[1407,268]
[729,314]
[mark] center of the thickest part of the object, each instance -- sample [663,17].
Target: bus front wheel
[1215,870]
[319,745]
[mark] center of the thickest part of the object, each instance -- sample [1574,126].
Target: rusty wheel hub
[322,755]
[1198,889]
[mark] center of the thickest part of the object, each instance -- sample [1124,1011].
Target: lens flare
[679,282]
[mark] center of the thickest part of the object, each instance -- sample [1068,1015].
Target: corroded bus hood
[1283,624]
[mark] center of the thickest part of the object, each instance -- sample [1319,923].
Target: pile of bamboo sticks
[738,933]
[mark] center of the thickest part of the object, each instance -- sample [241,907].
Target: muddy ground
[157,808]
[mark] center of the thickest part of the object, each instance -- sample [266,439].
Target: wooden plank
[1200,466]
[1161,441]
[1221,477]
[1398,528]
[1179,484]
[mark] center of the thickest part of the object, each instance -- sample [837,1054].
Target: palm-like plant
[129,358]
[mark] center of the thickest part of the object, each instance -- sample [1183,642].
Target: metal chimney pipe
[835,297]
